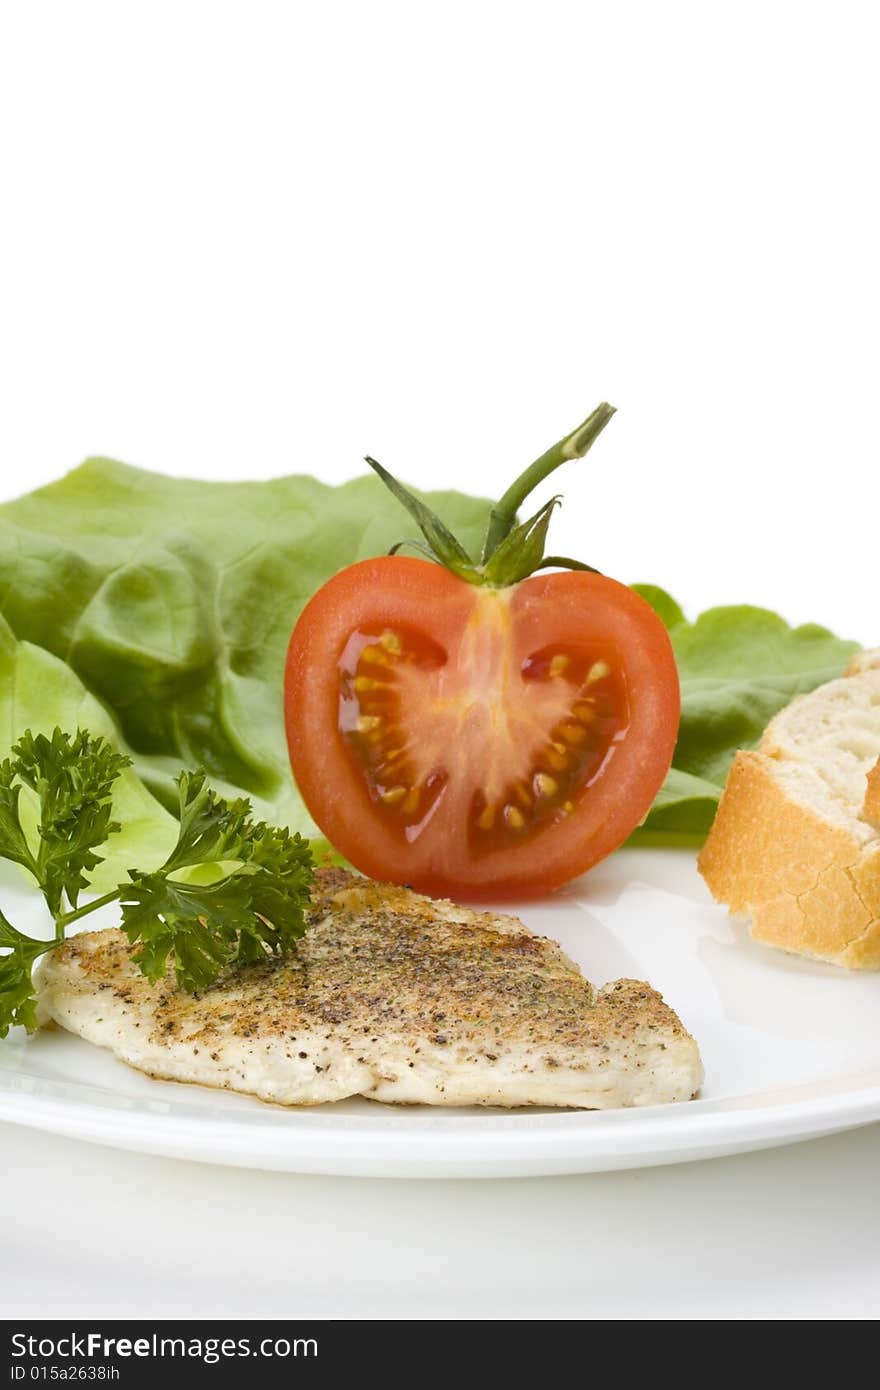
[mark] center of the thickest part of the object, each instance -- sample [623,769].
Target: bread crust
[871,810]
[808,885]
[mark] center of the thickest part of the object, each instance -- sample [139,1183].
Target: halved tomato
[476,741]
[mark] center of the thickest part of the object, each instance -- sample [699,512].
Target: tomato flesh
[412,722]
[480,742]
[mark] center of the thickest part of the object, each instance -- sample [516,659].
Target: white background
[246,239]
[252,238]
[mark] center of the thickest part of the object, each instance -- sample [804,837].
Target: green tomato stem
[573,446]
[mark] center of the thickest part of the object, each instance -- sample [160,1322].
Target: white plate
[791,1050]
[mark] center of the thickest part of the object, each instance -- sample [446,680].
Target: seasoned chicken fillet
[391,996]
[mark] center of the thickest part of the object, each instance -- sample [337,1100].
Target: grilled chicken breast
[391,996]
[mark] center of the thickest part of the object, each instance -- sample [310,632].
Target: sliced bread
[796,841]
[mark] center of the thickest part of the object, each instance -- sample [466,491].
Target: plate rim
[398,1143]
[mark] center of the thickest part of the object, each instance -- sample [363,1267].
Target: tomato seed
[544,784]
[584,711]
[573,733]
[393,795]
[411,804]
[375,656]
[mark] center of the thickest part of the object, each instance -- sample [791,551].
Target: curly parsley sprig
[252,907]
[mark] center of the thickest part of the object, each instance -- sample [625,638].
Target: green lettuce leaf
[39,692]
[738,666]
[171,603]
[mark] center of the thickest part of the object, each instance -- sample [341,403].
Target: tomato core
[538,729]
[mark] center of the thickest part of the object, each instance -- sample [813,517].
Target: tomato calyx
[511,550]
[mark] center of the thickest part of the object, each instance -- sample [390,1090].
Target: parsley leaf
[17,1001]
[13,844]
[210,828]
[251,908]
[73,777]
[250,913]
